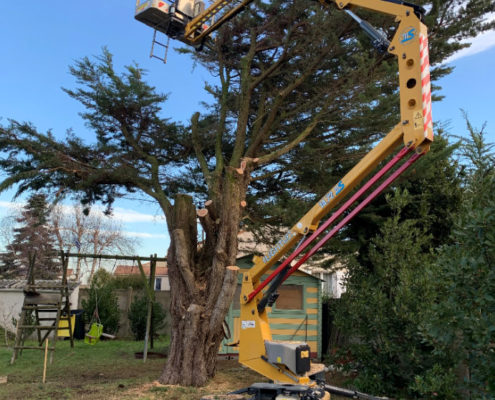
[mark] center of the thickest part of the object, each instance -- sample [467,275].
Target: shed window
[291,297]
[158,283]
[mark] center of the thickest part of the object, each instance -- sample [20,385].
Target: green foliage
[298,88]
[460,324]
[435,193]
[439,382]
[129,281]
[131,140]
[137,316]
[421,323]
[381,307]
[104,301]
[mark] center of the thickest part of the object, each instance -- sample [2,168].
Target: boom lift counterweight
[287,363]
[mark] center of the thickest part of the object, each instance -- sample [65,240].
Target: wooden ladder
[45,305]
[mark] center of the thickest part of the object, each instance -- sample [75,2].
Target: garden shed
[295,316]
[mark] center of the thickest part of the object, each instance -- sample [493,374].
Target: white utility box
[166,17]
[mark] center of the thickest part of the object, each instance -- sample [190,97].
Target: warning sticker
[247,324]
[418,120]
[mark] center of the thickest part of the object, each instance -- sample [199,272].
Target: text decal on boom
[274,250]
[334,192]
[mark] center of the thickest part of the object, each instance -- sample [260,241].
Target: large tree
[282,72]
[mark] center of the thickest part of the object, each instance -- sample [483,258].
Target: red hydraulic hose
[332,219]
[355,211]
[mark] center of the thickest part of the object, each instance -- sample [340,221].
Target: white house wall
[10,307]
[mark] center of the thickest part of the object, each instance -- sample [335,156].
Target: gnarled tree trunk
[203,278]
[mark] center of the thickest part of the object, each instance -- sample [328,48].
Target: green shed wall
[298,325]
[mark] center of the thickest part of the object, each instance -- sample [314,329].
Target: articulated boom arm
[415,131]
[410,45]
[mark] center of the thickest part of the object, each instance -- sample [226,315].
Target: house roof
[124,270]
[19,284]
[247,260]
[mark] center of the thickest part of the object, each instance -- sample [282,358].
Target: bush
[137,317]
[102,296]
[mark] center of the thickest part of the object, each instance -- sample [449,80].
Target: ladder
[163,45]
[46,304]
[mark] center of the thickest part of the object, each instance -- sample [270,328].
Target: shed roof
[19,284]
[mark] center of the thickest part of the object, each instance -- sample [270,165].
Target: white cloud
[127,215]
[10,205]
[119,213]
[146,235]
[481,43]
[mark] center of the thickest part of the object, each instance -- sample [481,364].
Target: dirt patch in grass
[230,376]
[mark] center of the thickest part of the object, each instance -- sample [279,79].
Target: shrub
[137,317]
[125,282]
[102,296]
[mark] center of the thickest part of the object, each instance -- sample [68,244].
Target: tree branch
[197,147]
[289,146]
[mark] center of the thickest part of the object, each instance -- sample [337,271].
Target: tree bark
[203,278]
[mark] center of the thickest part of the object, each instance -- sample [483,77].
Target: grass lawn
[107,370]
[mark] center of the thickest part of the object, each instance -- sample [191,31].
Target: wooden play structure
[46,311]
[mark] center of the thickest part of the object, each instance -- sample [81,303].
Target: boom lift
[287,363]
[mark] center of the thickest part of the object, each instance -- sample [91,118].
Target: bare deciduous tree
[91,234]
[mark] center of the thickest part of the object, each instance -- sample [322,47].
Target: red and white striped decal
[426,86]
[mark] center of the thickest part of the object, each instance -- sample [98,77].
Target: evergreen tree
[381,308]
[34,237]
[460,323]
[138,315]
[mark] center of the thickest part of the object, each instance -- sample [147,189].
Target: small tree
[137,316]
[102,298]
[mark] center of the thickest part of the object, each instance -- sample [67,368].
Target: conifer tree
[460,324]
[383,303]
[33,237]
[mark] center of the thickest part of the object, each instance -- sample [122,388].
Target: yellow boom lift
[287,364]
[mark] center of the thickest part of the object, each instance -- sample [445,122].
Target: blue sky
[39,40]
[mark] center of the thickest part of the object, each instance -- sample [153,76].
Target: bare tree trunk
[202,280]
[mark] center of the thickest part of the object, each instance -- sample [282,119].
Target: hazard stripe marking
[425,86]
